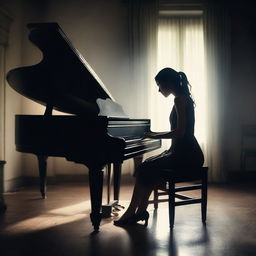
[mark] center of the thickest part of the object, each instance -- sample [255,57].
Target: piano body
[96,132]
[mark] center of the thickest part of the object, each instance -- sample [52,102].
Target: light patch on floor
[50,219]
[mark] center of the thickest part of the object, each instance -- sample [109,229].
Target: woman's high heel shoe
[133,219]
[143,217]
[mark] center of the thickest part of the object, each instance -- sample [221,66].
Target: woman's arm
[180,106]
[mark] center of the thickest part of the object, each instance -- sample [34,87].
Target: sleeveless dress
[183,155]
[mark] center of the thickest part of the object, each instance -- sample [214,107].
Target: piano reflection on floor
[97,133]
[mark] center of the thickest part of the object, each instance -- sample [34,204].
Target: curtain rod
[190,13]
[181,6]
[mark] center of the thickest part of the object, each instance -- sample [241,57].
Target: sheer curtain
[217,45]
[143,40]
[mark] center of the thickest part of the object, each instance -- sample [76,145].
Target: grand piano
[94,130]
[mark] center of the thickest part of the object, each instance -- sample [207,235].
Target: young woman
[183,155]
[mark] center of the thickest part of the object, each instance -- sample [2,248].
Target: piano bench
[170,189]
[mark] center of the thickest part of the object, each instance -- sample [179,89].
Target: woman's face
[164,88]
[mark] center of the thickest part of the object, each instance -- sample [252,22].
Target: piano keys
[96,132]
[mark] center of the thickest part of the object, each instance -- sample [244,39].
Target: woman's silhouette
[184,151]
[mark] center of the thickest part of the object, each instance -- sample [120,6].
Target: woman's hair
[178,79]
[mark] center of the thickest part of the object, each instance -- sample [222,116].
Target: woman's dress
[182,157]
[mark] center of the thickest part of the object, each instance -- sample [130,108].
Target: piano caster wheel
[44,196]
[95,219]
[96,230]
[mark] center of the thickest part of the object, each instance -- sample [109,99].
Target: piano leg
[137,161]
[107,208]
[117,180]
[108,167]
[96,184]
[117,175]
[42,162]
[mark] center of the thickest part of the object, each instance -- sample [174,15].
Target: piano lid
[63,79]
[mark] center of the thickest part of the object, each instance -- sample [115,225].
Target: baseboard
[52,180]
[242,176]
[13,184]
[26,181]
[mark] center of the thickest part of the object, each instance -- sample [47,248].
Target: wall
[13,167]
[241,101]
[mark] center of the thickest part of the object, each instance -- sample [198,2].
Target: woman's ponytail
[184,83]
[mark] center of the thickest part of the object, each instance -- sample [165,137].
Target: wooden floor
[60,225]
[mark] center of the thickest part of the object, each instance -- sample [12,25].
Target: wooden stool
[171,190]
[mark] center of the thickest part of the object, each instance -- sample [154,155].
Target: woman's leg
[143,205]
[140,193]
[151,175]
[147,176]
